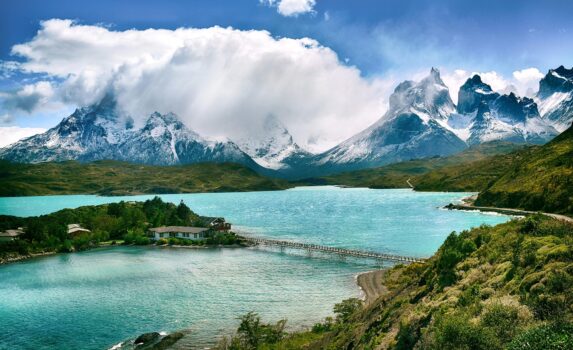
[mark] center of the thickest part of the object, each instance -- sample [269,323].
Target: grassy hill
[541,180]
[503,287]
[395,175]
[537,178]
[119,178]
[473,176]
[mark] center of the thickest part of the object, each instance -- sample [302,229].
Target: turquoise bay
[94,299]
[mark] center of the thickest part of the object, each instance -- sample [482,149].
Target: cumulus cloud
[291,8]
[220,81]
[28,97]
[523,82]
[11,134]
[528,80]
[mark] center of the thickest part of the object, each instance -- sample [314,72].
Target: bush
[137,237]
[502,319]
[548,337]
[346,308]
[252,333]
[456,331]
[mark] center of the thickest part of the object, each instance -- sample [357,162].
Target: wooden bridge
[333,250]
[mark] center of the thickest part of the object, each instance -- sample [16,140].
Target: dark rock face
[555,97]
[556,80]
[473,93]
[493,116]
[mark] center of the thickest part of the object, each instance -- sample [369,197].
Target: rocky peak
[556,80]
[429,98]
[435,77]
[473,93]
[275,147]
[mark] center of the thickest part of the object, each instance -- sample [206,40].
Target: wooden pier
[333,250]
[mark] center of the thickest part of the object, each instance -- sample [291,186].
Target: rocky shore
[15,257]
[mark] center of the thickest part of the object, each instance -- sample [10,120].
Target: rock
[146,339]
[168,341]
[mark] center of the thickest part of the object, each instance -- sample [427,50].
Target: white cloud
[220,81]
[528,80]
[291,8]
[523,82]
[28,97]
[454,80]
[11,134]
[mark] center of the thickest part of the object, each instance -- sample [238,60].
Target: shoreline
[19,258]
[468,206]
[370,284]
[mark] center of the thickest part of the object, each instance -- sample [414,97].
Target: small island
[152,222]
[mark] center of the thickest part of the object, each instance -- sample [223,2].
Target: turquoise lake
[95,299]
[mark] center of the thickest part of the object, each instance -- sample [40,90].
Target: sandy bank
[371,285]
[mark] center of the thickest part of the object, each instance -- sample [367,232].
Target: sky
[325,68]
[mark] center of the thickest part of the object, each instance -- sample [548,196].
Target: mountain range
[422,121]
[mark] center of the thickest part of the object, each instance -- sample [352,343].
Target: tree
[183,212]
[345,309]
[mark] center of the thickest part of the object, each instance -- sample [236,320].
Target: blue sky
[499,35]
[386,40]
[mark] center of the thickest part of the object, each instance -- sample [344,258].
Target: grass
[120,178]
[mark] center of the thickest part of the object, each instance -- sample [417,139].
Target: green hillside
[119,178]
[541,180]
[503,287]
[472,176]
[536,178]
[395,175]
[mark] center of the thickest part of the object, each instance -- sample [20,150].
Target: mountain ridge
[422,122]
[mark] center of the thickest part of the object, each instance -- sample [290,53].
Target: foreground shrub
[548,337]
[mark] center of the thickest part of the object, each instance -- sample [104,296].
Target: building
[184,232]
[10,235]
[217,224]
[76,229]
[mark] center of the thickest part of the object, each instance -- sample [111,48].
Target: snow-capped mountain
[413,127]
[422,121]
[275,149]
[555,97]
[485,115]
[97,133]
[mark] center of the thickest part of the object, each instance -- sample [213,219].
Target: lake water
[94,299]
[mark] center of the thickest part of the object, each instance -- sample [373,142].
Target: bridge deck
[334,250]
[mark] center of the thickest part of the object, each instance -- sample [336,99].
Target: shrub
[252,333]
[548,337]
[325,326]
[346,308]
[502,319]
[456,331]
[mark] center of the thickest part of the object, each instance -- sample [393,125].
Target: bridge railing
[340,251]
